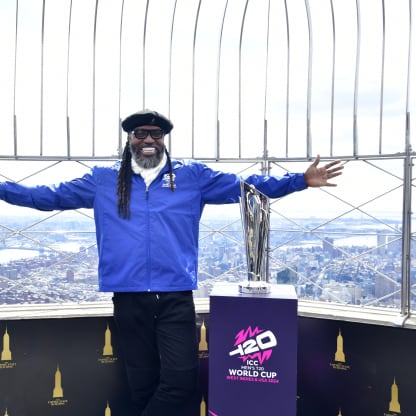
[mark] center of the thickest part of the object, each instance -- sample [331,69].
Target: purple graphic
[253,352]
[254,344]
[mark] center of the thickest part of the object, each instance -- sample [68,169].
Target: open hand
[316,177]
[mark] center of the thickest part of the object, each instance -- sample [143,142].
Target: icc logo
[254,343]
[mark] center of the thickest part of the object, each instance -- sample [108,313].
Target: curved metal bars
[406,286]
[239,76]
[94,76]
[331,137]
[217,101]
[68,45]
[356,78]
[193,80]
[170,66]
[144,52]
[409,64]
[14,82]
[287,79]
[42,72]
[383,58]
[309,87]
[265,152]
[120,46]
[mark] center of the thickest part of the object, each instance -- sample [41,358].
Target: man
[147,210]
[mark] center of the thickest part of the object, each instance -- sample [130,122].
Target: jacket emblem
[166,180]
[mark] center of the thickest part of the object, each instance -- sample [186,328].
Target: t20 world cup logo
[254,345]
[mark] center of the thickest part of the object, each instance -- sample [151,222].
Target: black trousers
[160,351]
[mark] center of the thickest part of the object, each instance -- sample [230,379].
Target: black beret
[146,117]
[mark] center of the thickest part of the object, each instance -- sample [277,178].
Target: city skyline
[322,265]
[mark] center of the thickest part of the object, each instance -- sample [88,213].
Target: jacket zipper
[149,267]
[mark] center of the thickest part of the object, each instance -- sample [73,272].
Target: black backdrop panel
[344,368]
[375,359]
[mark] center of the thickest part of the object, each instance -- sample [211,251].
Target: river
[11,254]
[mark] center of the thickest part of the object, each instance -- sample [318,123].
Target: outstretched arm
[316,177]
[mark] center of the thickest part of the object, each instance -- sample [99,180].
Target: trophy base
[258,287]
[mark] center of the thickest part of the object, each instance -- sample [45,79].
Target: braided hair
[125,179]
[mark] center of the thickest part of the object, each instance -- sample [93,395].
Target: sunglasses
[143,133]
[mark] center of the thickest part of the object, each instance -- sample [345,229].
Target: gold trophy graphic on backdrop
[58,392]
[255,218]
[394,405]
[203,407]
[339,354]
[108,349]
[203,344]
[6,354]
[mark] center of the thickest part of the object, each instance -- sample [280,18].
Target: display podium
[252,352]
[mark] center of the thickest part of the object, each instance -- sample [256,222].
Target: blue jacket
[156,249]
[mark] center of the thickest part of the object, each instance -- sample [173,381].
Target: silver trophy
[255,216]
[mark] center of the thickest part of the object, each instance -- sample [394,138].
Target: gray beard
[147,162]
